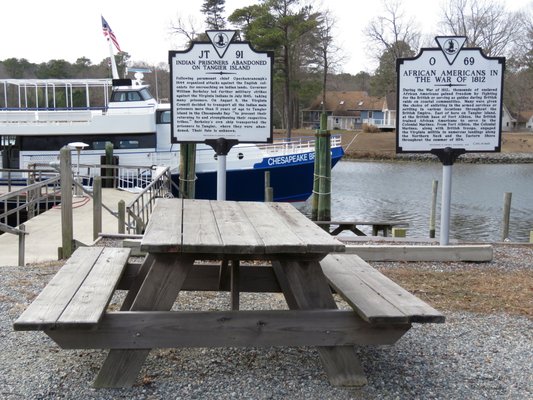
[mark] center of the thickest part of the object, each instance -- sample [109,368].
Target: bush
[370,128]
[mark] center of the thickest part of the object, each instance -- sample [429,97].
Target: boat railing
[298,144]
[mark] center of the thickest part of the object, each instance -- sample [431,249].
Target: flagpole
[113,61]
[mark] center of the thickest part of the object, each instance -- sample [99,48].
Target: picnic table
[72,308]
[377,226]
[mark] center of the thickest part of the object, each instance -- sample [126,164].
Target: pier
[44,230]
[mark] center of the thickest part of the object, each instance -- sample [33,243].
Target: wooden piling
[321,202]
[187,182]
[97,206]
[22,244]
[269,191]
[506,215]
[67,228]
[121,216]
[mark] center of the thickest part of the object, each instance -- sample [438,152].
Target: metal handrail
[140,208]
[34,196]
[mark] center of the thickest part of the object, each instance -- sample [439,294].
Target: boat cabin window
[163,117]
[95,142]
[128,144]
[120,96]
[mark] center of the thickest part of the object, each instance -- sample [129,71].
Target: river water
[401,191]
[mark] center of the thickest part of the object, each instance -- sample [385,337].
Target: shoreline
[469,158]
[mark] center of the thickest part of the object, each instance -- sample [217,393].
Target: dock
[44,230]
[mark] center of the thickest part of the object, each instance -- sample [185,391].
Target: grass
[476,290]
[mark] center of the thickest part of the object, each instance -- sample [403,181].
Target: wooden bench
[78,295]
[377,226]
[373,296]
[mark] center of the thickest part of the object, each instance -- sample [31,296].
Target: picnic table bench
[377,226]
[72,308]
[78,295]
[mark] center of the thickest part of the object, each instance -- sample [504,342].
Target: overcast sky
[41,30]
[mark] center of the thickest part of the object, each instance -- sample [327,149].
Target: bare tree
[485,23]
[328,55]
[391,36]
[187,30]
[392,27]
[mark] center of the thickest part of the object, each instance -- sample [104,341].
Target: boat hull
[290,177]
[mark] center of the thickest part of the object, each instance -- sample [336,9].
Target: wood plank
[140,330]
[362,298]
[90,301]
[277,236]
[200,230]
[318,240]
[206,277]
[163,232]
[462,253]
[374,296]
[236,231]
[44,311]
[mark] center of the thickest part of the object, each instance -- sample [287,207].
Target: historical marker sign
[449,97]
[221,90]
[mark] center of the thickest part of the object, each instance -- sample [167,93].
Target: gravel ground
[471,356]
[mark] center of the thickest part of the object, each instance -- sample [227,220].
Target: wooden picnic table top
[233,228]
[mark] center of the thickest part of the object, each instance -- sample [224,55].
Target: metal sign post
[447,156]
[449,103]
[221,95]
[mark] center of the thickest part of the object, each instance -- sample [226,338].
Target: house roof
[347,103]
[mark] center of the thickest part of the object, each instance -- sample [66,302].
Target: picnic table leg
[158,291]
[305,287]
[235,289]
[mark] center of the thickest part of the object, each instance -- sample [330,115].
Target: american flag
[108,33]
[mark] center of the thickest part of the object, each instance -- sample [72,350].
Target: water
[402,192]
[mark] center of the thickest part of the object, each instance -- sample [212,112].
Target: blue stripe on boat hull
[290,176]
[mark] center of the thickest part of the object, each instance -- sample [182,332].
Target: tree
[384,80]
[17,68]
[392,36]
[518,85]
[280,25]
[485,23]
[326,53]
[213,10]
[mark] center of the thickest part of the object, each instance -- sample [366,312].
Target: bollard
[530,236]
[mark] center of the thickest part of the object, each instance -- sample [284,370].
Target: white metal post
[221,177]
[445,205]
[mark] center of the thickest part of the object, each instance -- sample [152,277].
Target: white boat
[38,117]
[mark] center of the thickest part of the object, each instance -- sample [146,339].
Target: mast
[114,69]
